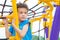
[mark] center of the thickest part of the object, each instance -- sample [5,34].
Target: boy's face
[22,13]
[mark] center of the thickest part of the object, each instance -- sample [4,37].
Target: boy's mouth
[23,17]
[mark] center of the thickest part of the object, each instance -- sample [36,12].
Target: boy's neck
[21,20]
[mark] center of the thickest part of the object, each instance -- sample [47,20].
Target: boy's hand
[13,21]
[8,34]
[5,21]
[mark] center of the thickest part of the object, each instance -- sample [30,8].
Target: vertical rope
[3,8]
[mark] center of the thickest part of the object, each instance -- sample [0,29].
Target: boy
[24,30]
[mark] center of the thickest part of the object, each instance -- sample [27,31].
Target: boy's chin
[22,19]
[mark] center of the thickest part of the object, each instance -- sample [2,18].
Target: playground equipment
[15,14]
[47,15]
[56,23]
[49,12]
[53,36]
[12,16]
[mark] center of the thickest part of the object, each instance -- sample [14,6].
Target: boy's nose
[23,14]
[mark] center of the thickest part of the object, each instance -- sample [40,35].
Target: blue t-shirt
[28,35]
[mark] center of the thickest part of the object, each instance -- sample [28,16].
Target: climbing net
[31,14]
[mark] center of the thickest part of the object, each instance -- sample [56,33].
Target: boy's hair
[22,5]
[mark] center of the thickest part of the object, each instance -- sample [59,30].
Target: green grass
[59,38]
[36,38]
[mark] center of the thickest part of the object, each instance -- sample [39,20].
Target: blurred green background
[38,38]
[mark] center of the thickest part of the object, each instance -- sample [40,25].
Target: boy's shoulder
[26,21]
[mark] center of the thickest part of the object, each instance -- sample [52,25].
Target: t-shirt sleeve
[11,30]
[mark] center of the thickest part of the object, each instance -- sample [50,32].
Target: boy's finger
[13,20]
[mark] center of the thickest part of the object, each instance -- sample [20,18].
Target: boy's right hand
[8,34]
[5,22]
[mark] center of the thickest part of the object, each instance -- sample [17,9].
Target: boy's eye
[25,12]
[21,12]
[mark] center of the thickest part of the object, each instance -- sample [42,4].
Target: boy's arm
[8,34]
[21,32]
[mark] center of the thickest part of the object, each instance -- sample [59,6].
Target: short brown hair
[22,5]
